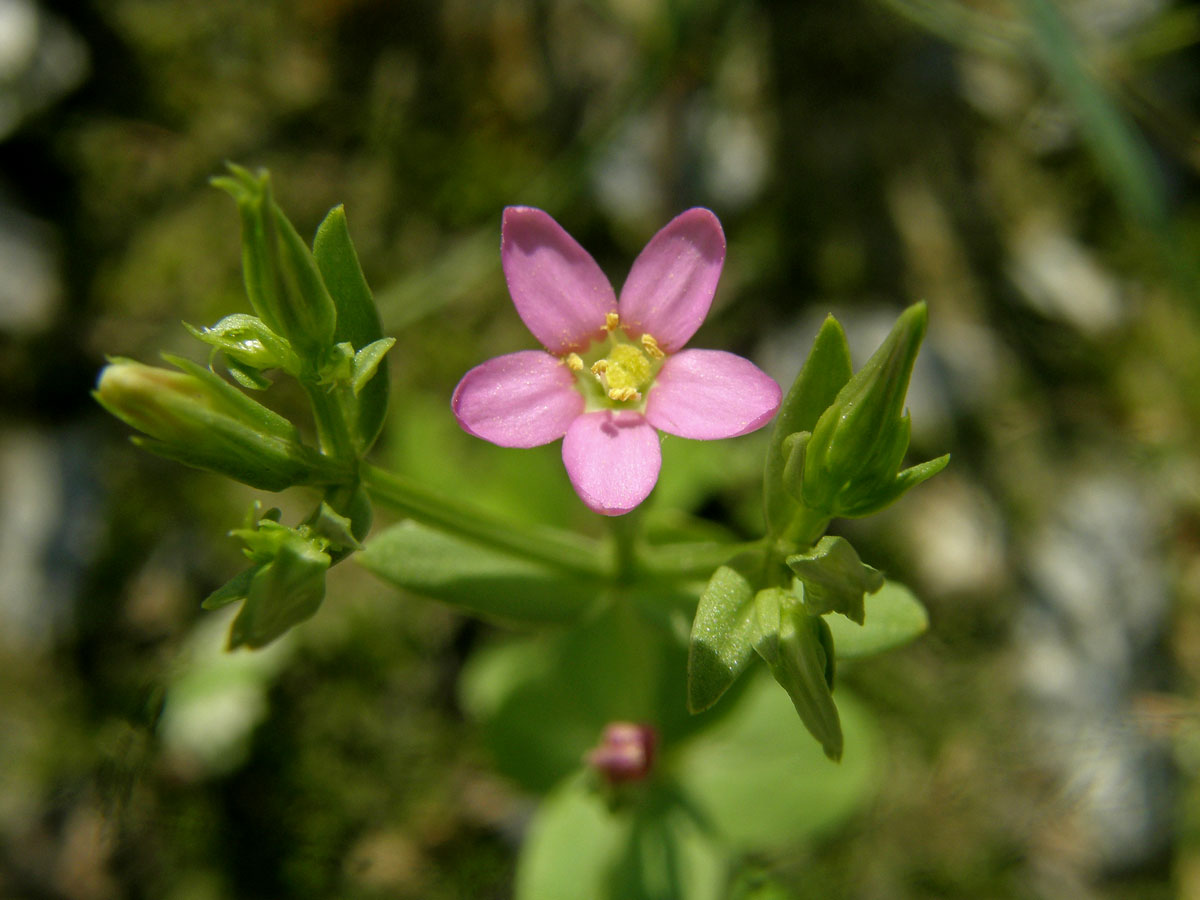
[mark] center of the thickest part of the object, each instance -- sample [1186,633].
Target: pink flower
[615,370]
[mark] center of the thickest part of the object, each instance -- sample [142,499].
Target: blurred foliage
[1027,168]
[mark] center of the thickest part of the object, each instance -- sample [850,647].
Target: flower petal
[612,459]
[523,399]
[672,282]
[710,394]
[560,293]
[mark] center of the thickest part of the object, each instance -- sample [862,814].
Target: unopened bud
[626,752]
[197,418]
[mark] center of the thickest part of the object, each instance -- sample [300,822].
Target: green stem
[625,530]
[561,549]
[689,560]
[333,431]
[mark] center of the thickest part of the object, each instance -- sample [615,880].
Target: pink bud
[626,752]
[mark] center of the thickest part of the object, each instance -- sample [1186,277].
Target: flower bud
[197,418]
[626,752]
[852,461]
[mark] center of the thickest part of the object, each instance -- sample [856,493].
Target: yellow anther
[650,345]
[625,393]
[599,367]
[611,321]
[574,363]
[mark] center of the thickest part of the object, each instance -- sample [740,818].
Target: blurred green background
[1029,169]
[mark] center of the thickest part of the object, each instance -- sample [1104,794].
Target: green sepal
[333,528]
[282,593]
[259,266]
[860,439]
[235,589]
[826,370]
[835,578]
[794,446]
[367,362]
[894,616]
[247,376]
[797,649]
[724,630]
[357,321]
[474,578]
[905,481]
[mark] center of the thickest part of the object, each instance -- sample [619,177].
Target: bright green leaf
[477,579]
[357,316]
[723,633]
[894,617]
[761,780]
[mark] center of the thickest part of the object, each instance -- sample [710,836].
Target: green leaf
[723,632]
[357,318]
[825,372]
[834,578]
[571,846]
[894,616]
[791,643]
[476,579]
[578,848]
[764,784]
[544,701]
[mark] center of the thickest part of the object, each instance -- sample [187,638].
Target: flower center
[620,377]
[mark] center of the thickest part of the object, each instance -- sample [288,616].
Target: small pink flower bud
[626,752]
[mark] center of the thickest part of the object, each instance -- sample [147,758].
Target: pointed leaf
[357,316]
[791,643]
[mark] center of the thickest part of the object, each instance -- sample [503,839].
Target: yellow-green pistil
[616,373]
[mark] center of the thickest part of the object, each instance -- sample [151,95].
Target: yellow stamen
[611,321]
[574,362]
[626,393]
[651,347]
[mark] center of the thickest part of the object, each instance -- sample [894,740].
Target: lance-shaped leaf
[798,649]
[894,616]
[834,578]
[825,372]
[474,578]
[724,631]
[357,322]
